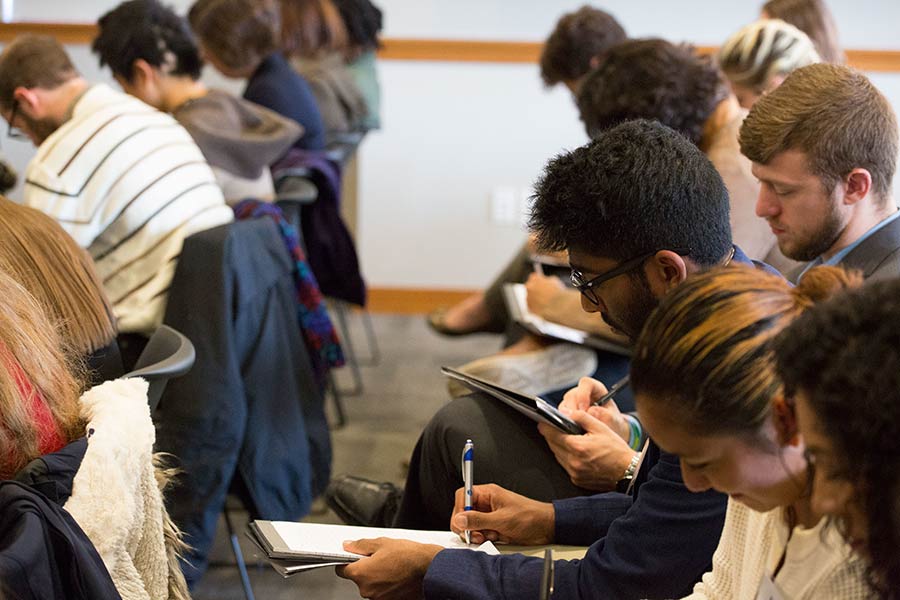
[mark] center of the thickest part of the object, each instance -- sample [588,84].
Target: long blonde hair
[36,252]
[31,348]
[706,353]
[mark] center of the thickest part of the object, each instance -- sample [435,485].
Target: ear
[665,271]
[857,185]
[594,62]
[29,101]
[143,72]
[785,421]
[775,81]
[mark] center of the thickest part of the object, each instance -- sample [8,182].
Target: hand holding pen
[613,391]
[468,474]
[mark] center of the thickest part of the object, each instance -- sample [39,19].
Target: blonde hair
[706,352]
[760,51]
[31,347]
[36,252]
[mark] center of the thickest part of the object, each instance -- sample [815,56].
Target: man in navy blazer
[824,148]
[638,209]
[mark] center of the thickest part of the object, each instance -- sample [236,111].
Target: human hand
[595,460]
[583,396]
[499,515]
[392,568]
[542,289]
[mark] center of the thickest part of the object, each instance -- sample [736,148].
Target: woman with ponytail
[706,389]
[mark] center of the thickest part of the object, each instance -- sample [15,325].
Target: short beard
[822,240]
[638,310]
[40,128]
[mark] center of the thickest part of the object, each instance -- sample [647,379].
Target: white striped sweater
[129,184]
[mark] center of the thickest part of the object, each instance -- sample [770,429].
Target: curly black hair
[578,38]
[148,30]
[844,355]
[636,188]
[652,79]
[363,21]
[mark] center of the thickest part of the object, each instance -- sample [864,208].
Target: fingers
[551,434]
[482,526]
[581,396]
[589,422]
[366,547]
[483,497]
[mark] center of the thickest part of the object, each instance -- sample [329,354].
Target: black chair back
[168,354]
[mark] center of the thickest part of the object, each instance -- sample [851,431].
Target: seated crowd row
[120,186]
[757,457]
[753,455]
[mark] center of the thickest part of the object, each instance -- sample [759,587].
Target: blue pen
[468,468]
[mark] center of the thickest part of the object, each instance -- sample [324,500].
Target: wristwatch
[624,483]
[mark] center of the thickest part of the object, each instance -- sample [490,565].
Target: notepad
[296,547]
[515,296]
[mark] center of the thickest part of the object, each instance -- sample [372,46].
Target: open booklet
[515,296]
[535,408]
[295,547]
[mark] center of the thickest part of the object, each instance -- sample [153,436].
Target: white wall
[453,132]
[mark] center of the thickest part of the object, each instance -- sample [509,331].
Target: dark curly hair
[652,79]
[364,22]
[636,188]
[844,355]
[148,30]
[578,38]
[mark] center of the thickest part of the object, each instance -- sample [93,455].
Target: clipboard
[535,408]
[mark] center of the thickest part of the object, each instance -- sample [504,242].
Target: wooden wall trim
[67,33]
[413,301]
[435,50]
[460,50]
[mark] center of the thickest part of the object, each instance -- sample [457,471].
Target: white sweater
[129,184]
[818,565]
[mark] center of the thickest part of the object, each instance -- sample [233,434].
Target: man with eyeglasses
[126,181]
[638,210]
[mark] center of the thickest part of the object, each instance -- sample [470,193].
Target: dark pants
[516,271]
[509,451]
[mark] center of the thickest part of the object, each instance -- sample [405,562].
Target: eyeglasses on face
[587,287]
[13,132]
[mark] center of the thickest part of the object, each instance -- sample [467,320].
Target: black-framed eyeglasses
[586,287]
[13,132]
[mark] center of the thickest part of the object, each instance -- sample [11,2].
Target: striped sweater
[129,184]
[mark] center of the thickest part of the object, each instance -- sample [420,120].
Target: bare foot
[470,314]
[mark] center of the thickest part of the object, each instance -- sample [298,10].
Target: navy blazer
[278,87]
[656,546]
